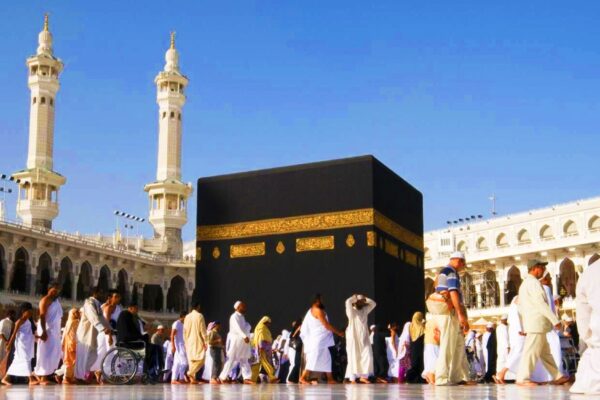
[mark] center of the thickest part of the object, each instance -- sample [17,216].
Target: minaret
[37,202]
[168,195]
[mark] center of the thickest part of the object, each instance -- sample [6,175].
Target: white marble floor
[268,392]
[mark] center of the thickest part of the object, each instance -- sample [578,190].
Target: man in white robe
[49,346]
[502,343]
[538,320]
[358,343]
[238,350]
[92,321]
[317,337]
[587,379]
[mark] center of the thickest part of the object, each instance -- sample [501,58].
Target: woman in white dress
[180,361]
[23,339]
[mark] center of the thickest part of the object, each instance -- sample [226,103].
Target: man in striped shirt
[451,367]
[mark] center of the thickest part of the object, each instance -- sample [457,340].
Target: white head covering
[457,254]
[504,318]
[489,325]
[236,305]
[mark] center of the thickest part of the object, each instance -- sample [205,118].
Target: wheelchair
[121,364]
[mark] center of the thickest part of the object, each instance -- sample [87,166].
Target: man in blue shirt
[452,367]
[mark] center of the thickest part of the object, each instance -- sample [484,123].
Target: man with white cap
[538,319]
[358,345]
[238,349]
[587,379]
[502,343]
[452,366]
[490,354]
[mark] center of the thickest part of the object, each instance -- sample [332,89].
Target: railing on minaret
[168,194]
[37,203]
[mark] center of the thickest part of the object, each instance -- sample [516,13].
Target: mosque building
[151,271]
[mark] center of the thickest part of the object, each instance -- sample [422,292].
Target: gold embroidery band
[315,243]
[247,250]
[308,223]
[391,248]
[411,258]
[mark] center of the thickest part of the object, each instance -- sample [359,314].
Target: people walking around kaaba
[452,366]
[538,319]
[317,338]
[194,337]
[416,348]
[263,343]
[358,344]
[215,348]
[238,350]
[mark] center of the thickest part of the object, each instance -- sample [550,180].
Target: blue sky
[462,99]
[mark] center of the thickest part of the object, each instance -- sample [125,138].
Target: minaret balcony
[168,213]
[45,209]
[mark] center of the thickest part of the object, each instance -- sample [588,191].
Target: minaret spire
[169,194]
[39,183]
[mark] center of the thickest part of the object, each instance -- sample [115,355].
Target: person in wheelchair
[129,335]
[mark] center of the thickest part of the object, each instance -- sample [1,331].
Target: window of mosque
[172,114]
[34,70]
[51,101]
[43,100]
[164,114]
[570,228]
[523,237]
[594,224]
[502,240]
[546,233]
[179,116]
[34,100]
[482,244]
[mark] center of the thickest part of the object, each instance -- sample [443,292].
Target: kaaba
[274,238]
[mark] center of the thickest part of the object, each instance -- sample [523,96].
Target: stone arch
[123,285]
[85,282]
[429,287]
[570,228]
[177,294]
[523,236]
[502,240]
[468,289]
[513,283]
[594,223]
[546,232]
[3,276]
[567,280]
[482,243]
[152,298]
[18,280]
[65,277]
[104,279]
[490,295]
[44,274]
[461,246]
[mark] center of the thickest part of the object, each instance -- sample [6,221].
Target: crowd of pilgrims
[525,346]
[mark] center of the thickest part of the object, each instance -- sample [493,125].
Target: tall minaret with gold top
[169,194]
[37,203]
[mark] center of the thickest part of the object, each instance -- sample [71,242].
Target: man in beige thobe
[194,337]
[538,320]
[452,366]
